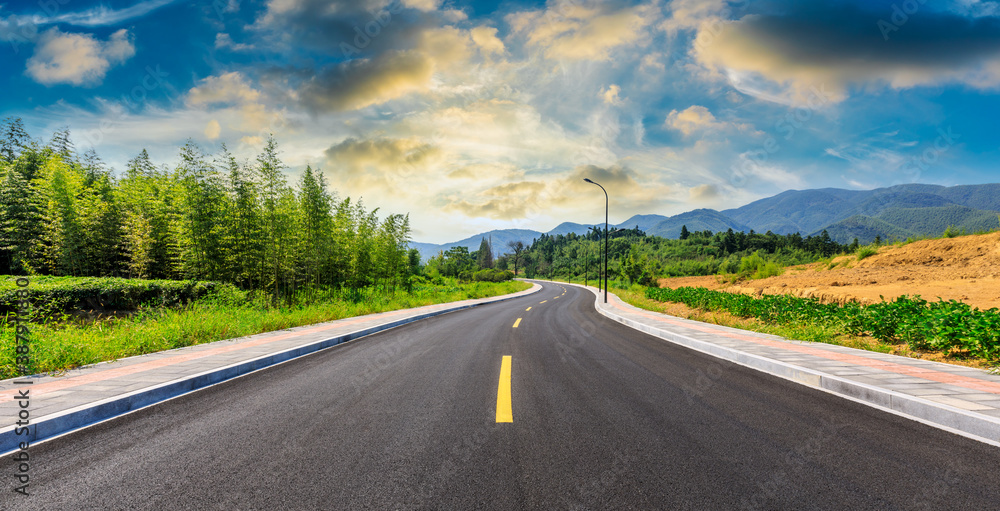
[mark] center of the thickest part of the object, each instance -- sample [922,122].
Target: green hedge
[941,325]
[57,294]
[486,275]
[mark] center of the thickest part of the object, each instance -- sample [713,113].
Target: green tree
[484,256]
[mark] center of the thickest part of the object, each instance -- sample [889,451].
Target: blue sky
[480,115]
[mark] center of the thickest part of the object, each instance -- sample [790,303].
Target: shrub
[866,251]
[492,275]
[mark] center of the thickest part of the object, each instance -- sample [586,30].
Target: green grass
[867,251]
[59,346]
[636,296]
[949,327]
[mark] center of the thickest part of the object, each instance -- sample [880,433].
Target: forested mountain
[210,217]
[897,212]
[697,220]
[901,211]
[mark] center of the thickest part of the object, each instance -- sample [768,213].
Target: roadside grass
[636,295]
[57,346]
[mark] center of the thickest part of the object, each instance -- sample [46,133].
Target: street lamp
[605,238]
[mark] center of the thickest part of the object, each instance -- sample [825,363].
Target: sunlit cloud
[78,59]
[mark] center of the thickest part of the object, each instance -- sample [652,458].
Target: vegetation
[54,295]
[867,251]
[209,249]
[950,326]
[224,313]
[207,218]
[639,258]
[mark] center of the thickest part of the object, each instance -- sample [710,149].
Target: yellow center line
[504,412]
[518,322]
[541,302]
[528,309]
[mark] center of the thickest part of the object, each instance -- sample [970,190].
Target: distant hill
[902,223]
[896,212]
[568,227]
[646,223]
[697,220]
[794,211]
[500,239]
[866,229]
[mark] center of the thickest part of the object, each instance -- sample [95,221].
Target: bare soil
[965,268]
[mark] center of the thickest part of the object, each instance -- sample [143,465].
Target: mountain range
[897,212]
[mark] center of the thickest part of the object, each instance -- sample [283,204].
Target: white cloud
[78,59]
[423,5]
[705,192]
[226,88]
[487,40]
[103,16]
[577,32]
[231,95]
[610,95]
[224,41]
[213,129]
[697,118]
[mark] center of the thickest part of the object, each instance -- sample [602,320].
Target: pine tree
[484,256]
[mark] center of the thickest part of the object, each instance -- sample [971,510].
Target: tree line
[640,258]
[209,217]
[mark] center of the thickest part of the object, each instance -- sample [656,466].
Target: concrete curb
[53,425]
[976,426]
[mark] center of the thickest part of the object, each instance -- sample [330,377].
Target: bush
[492,275]
[866,251]
[755,267]
[948,326]
[51,295]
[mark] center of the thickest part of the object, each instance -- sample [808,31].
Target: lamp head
[587,179]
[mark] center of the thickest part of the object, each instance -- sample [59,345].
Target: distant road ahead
[600,417]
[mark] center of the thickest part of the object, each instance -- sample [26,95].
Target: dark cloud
[344,28]
[359,83]
[838,44]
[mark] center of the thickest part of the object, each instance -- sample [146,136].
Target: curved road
[603,417]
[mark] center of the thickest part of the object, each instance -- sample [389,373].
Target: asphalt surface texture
[604,417]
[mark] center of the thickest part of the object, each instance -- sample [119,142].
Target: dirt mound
[966,268]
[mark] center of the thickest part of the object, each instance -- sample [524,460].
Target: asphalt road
[603,417]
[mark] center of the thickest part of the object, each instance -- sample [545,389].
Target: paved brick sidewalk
[961,399]
[83,396]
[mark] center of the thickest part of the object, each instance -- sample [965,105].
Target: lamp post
[605,238]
